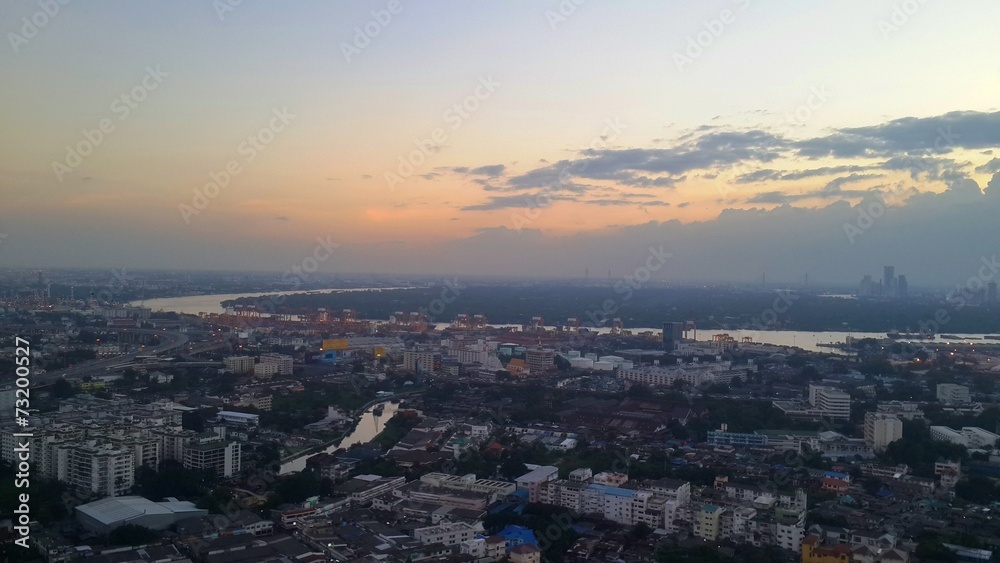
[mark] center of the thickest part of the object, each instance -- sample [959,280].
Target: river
[807,340]
[195,304]
[367,428]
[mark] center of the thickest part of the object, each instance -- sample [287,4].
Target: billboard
[335,344]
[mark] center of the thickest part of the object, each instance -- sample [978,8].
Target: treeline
[713,308]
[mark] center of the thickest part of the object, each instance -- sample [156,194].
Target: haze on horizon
[516,138]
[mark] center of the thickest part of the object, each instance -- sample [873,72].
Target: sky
[547,138]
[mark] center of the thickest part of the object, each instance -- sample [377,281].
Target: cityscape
[500,282]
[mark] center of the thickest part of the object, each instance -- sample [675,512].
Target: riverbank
[290,462]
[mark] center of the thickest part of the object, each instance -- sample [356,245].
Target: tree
[977,489]
[513,467]
[930,548]
[562,364]
[62,389]
[129,376]
[640,531]
[193,420]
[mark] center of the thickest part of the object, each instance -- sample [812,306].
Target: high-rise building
[889,281]
[240,365]
[283,362]
[901,287]
[952,394]
[211,451]
[830,402]
[867,287]
[673,333]
[881,429]
[539,360]
[99,468]
[991,292]
[421,361]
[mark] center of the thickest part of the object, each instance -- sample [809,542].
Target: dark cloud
[917,146]
[991,167]
[832,190]
[771,175]
[940,134]
[488,170]
[773,197]
[522,201]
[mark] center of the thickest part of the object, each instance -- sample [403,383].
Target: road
[168,341]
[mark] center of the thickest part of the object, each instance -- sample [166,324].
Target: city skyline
[408,141]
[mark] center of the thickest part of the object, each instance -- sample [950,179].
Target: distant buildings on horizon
[890,286]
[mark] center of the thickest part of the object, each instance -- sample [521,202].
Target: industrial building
[103,516]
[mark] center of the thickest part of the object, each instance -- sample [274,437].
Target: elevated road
[168,341]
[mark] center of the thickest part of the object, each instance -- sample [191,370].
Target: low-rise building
[448,533]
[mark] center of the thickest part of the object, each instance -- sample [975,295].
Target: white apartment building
[99,468]
[423,361]
[834,403]
[173,441]
[492,548]
[448,533]
[533,480]
[969,436]
[240,365]
[265,371]
[208,450]
[952,394]
[692,374]
[496,489]
[282,361]
[902,410]
[881,430]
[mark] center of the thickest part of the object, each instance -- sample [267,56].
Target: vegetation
[173,480]
[396,428]
[552,526]
[297,487]
[289,413]
[705,306]
[46,496]
[978,489]
[919,451]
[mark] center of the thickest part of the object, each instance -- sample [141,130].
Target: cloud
[832,190]
[773,175]
[915,146]
[773,197]
[517,202]
[488,170]
[939,134]
[991,167]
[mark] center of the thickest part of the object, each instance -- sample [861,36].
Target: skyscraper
[901,288]
[866,289]
[889,281]
[673,333]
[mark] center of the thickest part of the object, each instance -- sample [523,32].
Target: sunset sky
[742,135]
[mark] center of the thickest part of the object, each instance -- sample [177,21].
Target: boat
[895,335]
[378,410]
